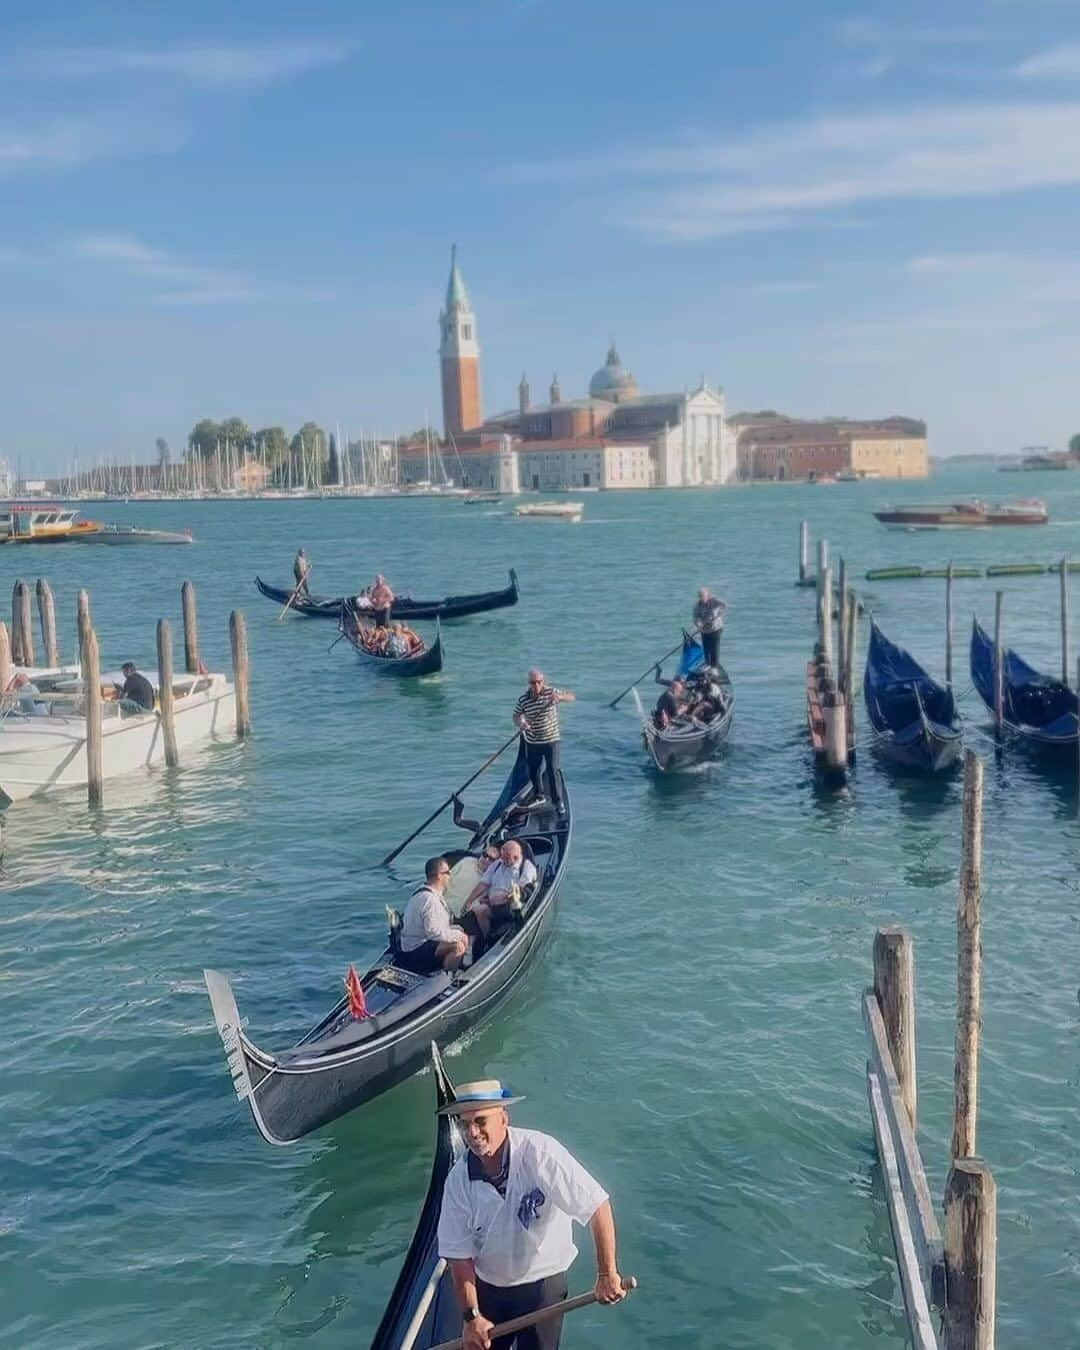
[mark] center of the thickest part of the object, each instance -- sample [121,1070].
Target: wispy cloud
[786,172]
[863,30]
[1055,63]
[66,144]
[220,64]
[166,278]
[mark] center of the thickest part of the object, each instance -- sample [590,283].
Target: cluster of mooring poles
[830,682]
[957,1276]
[17,650]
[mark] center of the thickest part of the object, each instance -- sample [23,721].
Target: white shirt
[427,917]
[526,1235]
[501,876]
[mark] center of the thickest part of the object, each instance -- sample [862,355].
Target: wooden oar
[292,597]
[517,1324]
[676,648]
[456,793]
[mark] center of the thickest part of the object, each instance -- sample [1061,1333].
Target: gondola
[1038,709]
[913,718]
[428,661]
[343,1062]
[687,741]
[423,1309]
[451,607]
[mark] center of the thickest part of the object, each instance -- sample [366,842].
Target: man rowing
[536,713]
[300,569]
[382,600]
[708,618]
[506,1227]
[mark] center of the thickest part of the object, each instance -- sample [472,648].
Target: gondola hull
[913,719]
[1038,709]
[427,662]
[925,748]
[343,1063]
[404,608]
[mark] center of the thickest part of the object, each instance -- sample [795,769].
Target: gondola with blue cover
[1038,709]
[913,718]
[687,740]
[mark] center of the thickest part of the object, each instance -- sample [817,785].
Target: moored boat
[963,515]
[344,1061]
[1038,709]
[689,739]
[404,607]
[358,633]
[913,718]
[40,523]
[127,534]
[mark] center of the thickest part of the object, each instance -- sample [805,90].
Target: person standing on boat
[506,1227]
[300,569]
[708,618]
[382,600]
[536,713]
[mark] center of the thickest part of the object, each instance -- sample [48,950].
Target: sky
[247,210]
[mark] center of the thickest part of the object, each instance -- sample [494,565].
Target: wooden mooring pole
[849,660]
[968,965]
[834,711]
[238,639]
[165,692]
[92,687]
[191,628]
[1066,672]
[948,624]
[999,671]
[822,566]
[841,622]
[970,1256]
[825,637]
[83,622]
[894,987]
[804,551]
[47,615]
[7,668]
[22,632]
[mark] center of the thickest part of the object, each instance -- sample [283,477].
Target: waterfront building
[251,476]
[773,446]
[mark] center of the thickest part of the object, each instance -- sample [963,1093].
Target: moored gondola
[450,607]
[426,661]
[689,739]
[1038,709]
[423,1310]
[344,1061]
[913,718]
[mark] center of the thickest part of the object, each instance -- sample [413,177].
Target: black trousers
[382,616]
[501,1304]
[537,756]
[710,643]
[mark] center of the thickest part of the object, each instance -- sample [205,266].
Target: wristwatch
[471,1314]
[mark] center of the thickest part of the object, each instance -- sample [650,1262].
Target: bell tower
[459,357]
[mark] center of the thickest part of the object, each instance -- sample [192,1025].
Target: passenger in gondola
[397,644]
[382,600]
[671,704]
[414,640]
[500,891]
[430,940]
[300,569]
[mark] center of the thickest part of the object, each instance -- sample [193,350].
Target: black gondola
[914,719]
[423,1309]
[427,661]
[1037,708]
[687,741]
[450,607]
[343,1062]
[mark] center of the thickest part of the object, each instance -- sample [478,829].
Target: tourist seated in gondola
[430,940]
[501,889]
[376,640]
[672,703]
[398,644]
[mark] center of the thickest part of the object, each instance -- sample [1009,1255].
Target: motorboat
[551,510]
[960,515]
[126,534]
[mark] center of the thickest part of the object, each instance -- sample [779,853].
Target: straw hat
[484,1092]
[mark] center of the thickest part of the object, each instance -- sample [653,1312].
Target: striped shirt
[541,713]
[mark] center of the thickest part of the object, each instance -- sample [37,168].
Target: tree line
[310,450]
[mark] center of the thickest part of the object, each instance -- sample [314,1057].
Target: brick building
[772,446]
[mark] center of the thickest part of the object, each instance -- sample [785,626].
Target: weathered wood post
[83,622]
[841,622]
[834,711]
[191,628]
[238,639]
[948,624]
[825,638]
[165,692]
[804,551]
[1065,663]
[849,658]
[47,615]
[92,689]
[7,668]
[970,1256]
[894,987]
[22,632]
[969,965]
[999,671]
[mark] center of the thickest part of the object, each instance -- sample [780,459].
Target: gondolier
[708,618]
[506,1227]
[300,569]
[382,600]
[537,714]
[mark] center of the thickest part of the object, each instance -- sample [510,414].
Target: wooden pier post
[834,711]
[47,615]
[970,1256]
[822,565]
[191,628]
[804,551]
[92,688]
[1065,662]
[238,639]
[841,628]
[825,638]
[999,672]
[849,659]
[83,622]
[894,987]
[7,668]
[969,964]
[22,632]
[948,624]
[165,692]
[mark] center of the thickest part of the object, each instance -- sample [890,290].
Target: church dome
[613,381]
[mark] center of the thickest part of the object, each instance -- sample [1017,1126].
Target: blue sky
[209,210]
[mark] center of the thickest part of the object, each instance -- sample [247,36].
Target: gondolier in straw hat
[506,1223]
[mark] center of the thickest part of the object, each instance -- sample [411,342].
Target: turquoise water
[693,1032]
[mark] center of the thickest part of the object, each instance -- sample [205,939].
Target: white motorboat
[551,510]
[43,734]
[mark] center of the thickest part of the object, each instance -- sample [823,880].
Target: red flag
[357,1001]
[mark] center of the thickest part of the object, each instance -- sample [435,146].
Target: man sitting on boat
[430,940]
[136,694]
[707,695]
[26,694]
[397,644]
[670,704]
[494,898]
[382,599]
[506,1227]
[375,640]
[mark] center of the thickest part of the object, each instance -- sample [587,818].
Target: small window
[466,331]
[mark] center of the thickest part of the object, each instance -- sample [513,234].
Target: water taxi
[39,523]
[963,515]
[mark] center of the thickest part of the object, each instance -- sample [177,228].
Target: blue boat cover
[892,678]
[1032,700]
[693,655]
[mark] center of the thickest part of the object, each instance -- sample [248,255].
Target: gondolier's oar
[456,793]
[646,671]
[517,1324]
[292,597]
